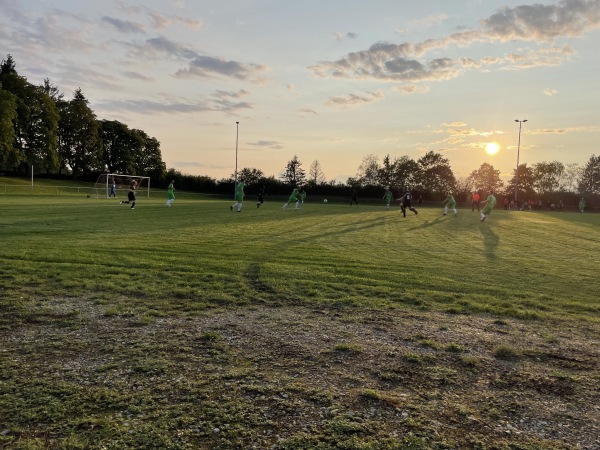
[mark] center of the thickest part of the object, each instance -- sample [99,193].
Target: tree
[570,177]
[41,129]
[36,127]
[16,85]
[463,188]
[368,171]
[486,178]
[52,91]
[386,172]
[149,158]
[80,144]
[294,175]
[406,172]
[119,147]
[547,176]
[435,174]
[590,177]
[525,185]
[9,154]
[250,176]
[315,174]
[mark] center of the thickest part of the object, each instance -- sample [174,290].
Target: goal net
[115,185]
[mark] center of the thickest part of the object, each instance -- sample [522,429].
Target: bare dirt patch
[297,377]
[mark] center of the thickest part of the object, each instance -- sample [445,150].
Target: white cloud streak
[391,62]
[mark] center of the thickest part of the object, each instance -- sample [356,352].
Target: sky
[325,80]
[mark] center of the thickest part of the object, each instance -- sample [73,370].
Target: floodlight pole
[237,133]
[518,153]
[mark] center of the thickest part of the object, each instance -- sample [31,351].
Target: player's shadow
[427,224]
[490,241]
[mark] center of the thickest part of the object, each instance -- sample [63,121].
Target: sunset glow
[491,148]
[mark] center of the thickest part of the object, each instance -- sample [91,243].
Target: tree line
[38,127]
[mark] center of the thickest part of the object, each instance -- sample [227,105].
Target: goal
[104,185]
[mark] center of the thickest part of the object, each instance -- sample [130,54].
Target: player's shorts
[487,209]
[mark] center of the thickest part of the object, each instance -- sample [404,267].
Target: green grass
[198,255]
[320,328]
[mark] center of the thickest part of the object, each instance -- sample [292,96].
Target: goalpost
[103,186]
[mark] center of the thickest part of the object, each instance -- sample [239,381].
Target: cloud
[459,132]
[341,36]
[152,107]
[454,124]
[219,101]
[550,92]
[197,65]
[37,35]
[209,66]
[411,89]
[426,22]
[12,10]
[351,100]
[577,129]
[390,62]
[124,26]
[136,76]
[268,144]
[160,21]
[537,22]
[309,111]
[223,101]
[161,46]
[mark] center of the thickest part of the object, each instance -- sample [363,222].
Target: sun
[492,148]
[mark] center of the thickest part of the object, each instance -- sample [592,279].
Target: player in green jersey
[581,205]
[388,197]
[171,193]
[239,196]
[489,204]
[450,204]
[293,198]
[302,196]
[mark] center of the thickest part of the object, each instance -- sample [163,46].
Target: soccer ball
[324,200]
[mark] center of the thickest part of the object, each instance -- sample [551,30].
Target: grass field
[324,327]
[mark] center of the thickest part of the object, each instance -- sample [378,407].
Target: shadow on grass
[490,241]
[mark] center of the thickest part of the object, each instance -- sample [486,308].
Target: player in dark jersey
[354,198]
[407,203]
[261,196]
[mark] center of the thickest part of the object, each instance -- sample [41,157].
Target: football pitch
[327,326]
[199,254]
